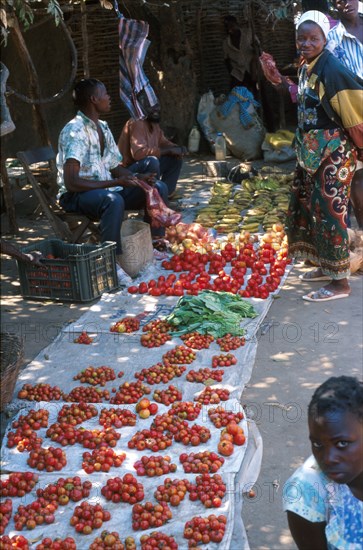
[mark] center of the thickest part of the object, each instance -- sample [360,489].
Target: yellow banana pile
[264,200]
[270,202]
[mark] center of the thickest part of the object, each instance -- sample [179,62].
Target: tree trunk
[85,54]
[34,86]
[176,78]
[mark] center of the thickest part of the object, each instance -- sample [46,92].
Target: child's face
[337,445]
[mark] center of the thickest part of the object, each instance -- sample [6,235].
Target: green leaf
[215,313]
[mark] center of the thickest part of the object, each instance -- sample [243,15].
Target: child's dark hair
[84,90]
[338,393]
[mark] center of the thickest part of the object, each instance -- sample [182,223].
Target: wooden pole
[266,113]
[85,54]
[34,86]
[8,199]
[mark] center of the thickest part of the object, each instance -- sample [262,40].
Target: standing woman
[346,43]
[328,139]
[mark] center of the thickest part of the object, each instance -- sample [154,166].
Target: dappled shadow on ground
[300,345]
[39,322]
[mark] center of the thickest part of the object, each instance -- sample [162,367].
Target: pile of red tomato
[253,273]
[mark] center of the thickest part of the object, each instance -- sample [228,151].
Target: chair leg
[79,231]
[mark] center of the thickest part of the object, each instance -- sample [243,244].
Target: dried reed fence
[201,23]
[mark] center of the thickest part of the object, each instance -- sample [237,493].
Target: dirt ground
[299,346]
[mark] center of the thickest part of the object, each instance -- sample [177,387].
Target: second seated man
[145,148]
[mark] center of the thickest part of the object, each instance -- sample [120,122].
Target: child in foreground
[324,497]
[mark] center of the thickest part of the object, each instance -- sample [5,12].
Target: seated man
[91,178]
[145,148]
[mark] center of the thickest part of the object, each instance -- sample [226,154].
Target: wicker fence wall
[186,50]
[202,24]
[102,31]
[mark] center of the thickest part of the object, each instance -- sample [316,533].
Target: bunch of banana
[218,200]
[286,179]
[230,218]
[256,212]
[249,185]
[282,192]
[276,215]
[230,210]
[226,227]
[208,215]
[221,189]
[251,227]
[270,184]
[242,198]
[263,200]
[281,201]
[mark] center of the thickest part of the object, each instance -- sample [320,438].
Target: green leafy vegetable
[216,313]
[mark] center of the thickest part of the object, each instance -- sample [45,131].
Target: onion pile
[191,236]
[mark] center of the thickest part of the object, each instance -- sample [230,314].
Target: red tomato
[259,265]
[155,291]
[143,288]
[178,291]
[133,289]
[245,293]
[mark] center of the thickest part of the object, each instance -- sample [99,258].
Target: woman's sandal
[324,295]
[309,276]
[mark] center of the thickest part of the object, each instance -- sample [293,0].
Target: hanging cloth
[136,91]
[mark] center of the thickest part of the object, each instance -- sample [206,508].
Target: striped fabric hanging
[135,89]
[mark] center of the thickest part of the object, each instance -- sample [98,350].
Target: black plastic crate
[72,272]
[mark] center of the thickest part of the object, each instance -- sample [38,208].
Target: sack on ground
[356,260]
[243,143]
[355,237]
[205,107]
[136,246]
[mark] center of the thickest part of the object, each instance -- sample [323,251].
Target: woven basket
[11,354]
